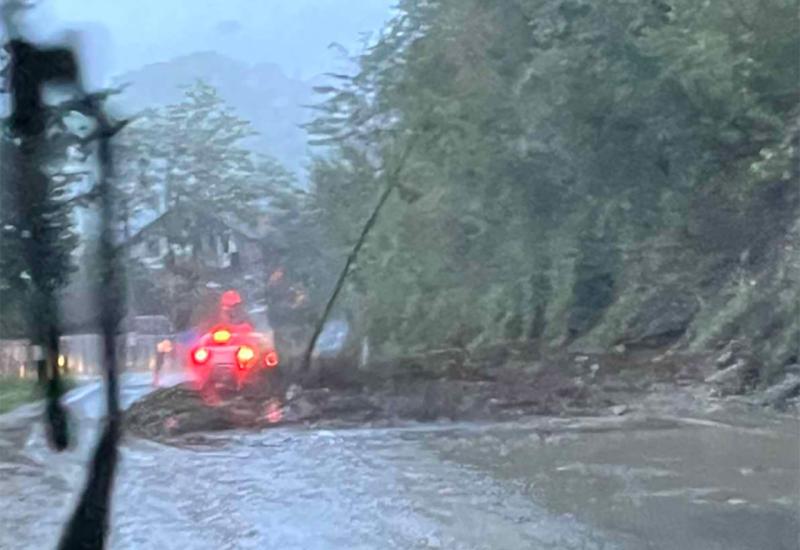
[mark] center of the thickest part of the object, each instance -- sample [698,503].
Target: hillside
[570,175]
[260,93]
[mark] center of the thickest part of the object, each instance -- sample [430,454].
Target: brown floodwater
[632,482]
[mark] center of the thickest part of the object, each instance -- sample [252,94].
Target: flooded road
[548,483]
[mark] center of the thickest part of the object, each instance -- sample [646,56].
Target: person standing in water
[163,348]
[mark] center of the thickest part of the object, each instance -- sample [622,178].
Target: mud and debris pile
[576,385]
[501,385]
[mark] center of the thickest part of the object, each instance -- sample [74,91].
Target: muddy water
[627,483]
[662,485]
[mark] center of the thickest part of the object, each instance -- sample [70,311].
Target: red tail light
[245,356]
[271,359]
[221,336]
[200,355]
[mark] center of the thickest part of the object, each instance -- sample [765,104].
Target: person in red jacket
[233,313]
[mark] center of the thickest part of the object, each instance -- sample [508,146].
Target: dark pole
[30,69]
[88,526]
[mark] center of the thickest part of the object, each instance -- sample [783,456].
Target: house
[208,242]
[173,262]
[187,249]
[213,244]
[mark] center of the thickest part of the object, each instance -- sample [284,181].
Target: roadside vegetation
[573,175]
[15,391]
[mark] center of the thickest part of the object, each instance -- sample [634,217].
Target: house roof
[183,212]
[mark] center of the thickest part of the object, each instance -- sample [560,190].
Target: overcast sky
[120,35]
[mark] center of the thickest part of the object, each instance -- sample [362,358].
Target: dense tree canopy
[195,151]
[49,193]
[560,163]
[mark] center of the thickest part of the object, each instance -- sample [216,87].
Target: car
[232,356]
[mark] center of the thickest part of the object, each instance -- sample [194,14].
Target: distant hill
[261,93]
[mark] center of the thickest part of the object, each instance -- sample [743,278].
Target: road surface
[542,484]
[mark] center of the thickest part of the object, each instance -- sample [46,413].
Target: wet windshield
[411,274]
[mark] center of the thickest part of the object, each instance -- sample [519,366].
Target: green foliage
[16,391]
[194,152]
[41,253]
[553,145]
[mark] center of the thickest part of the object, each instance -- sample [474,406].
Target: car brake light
[200,355]
[221,336]
[271,359]
[245,356]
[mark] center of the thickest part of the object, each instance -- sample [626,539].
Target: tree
[564,148]
[205,160]
[56,235]
[193,155]
[195,152]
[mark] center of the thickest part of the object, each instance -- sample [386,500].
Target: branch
[87,104]
[105,132]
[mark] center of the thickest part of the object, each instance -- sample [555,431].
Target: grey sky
[120,35]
